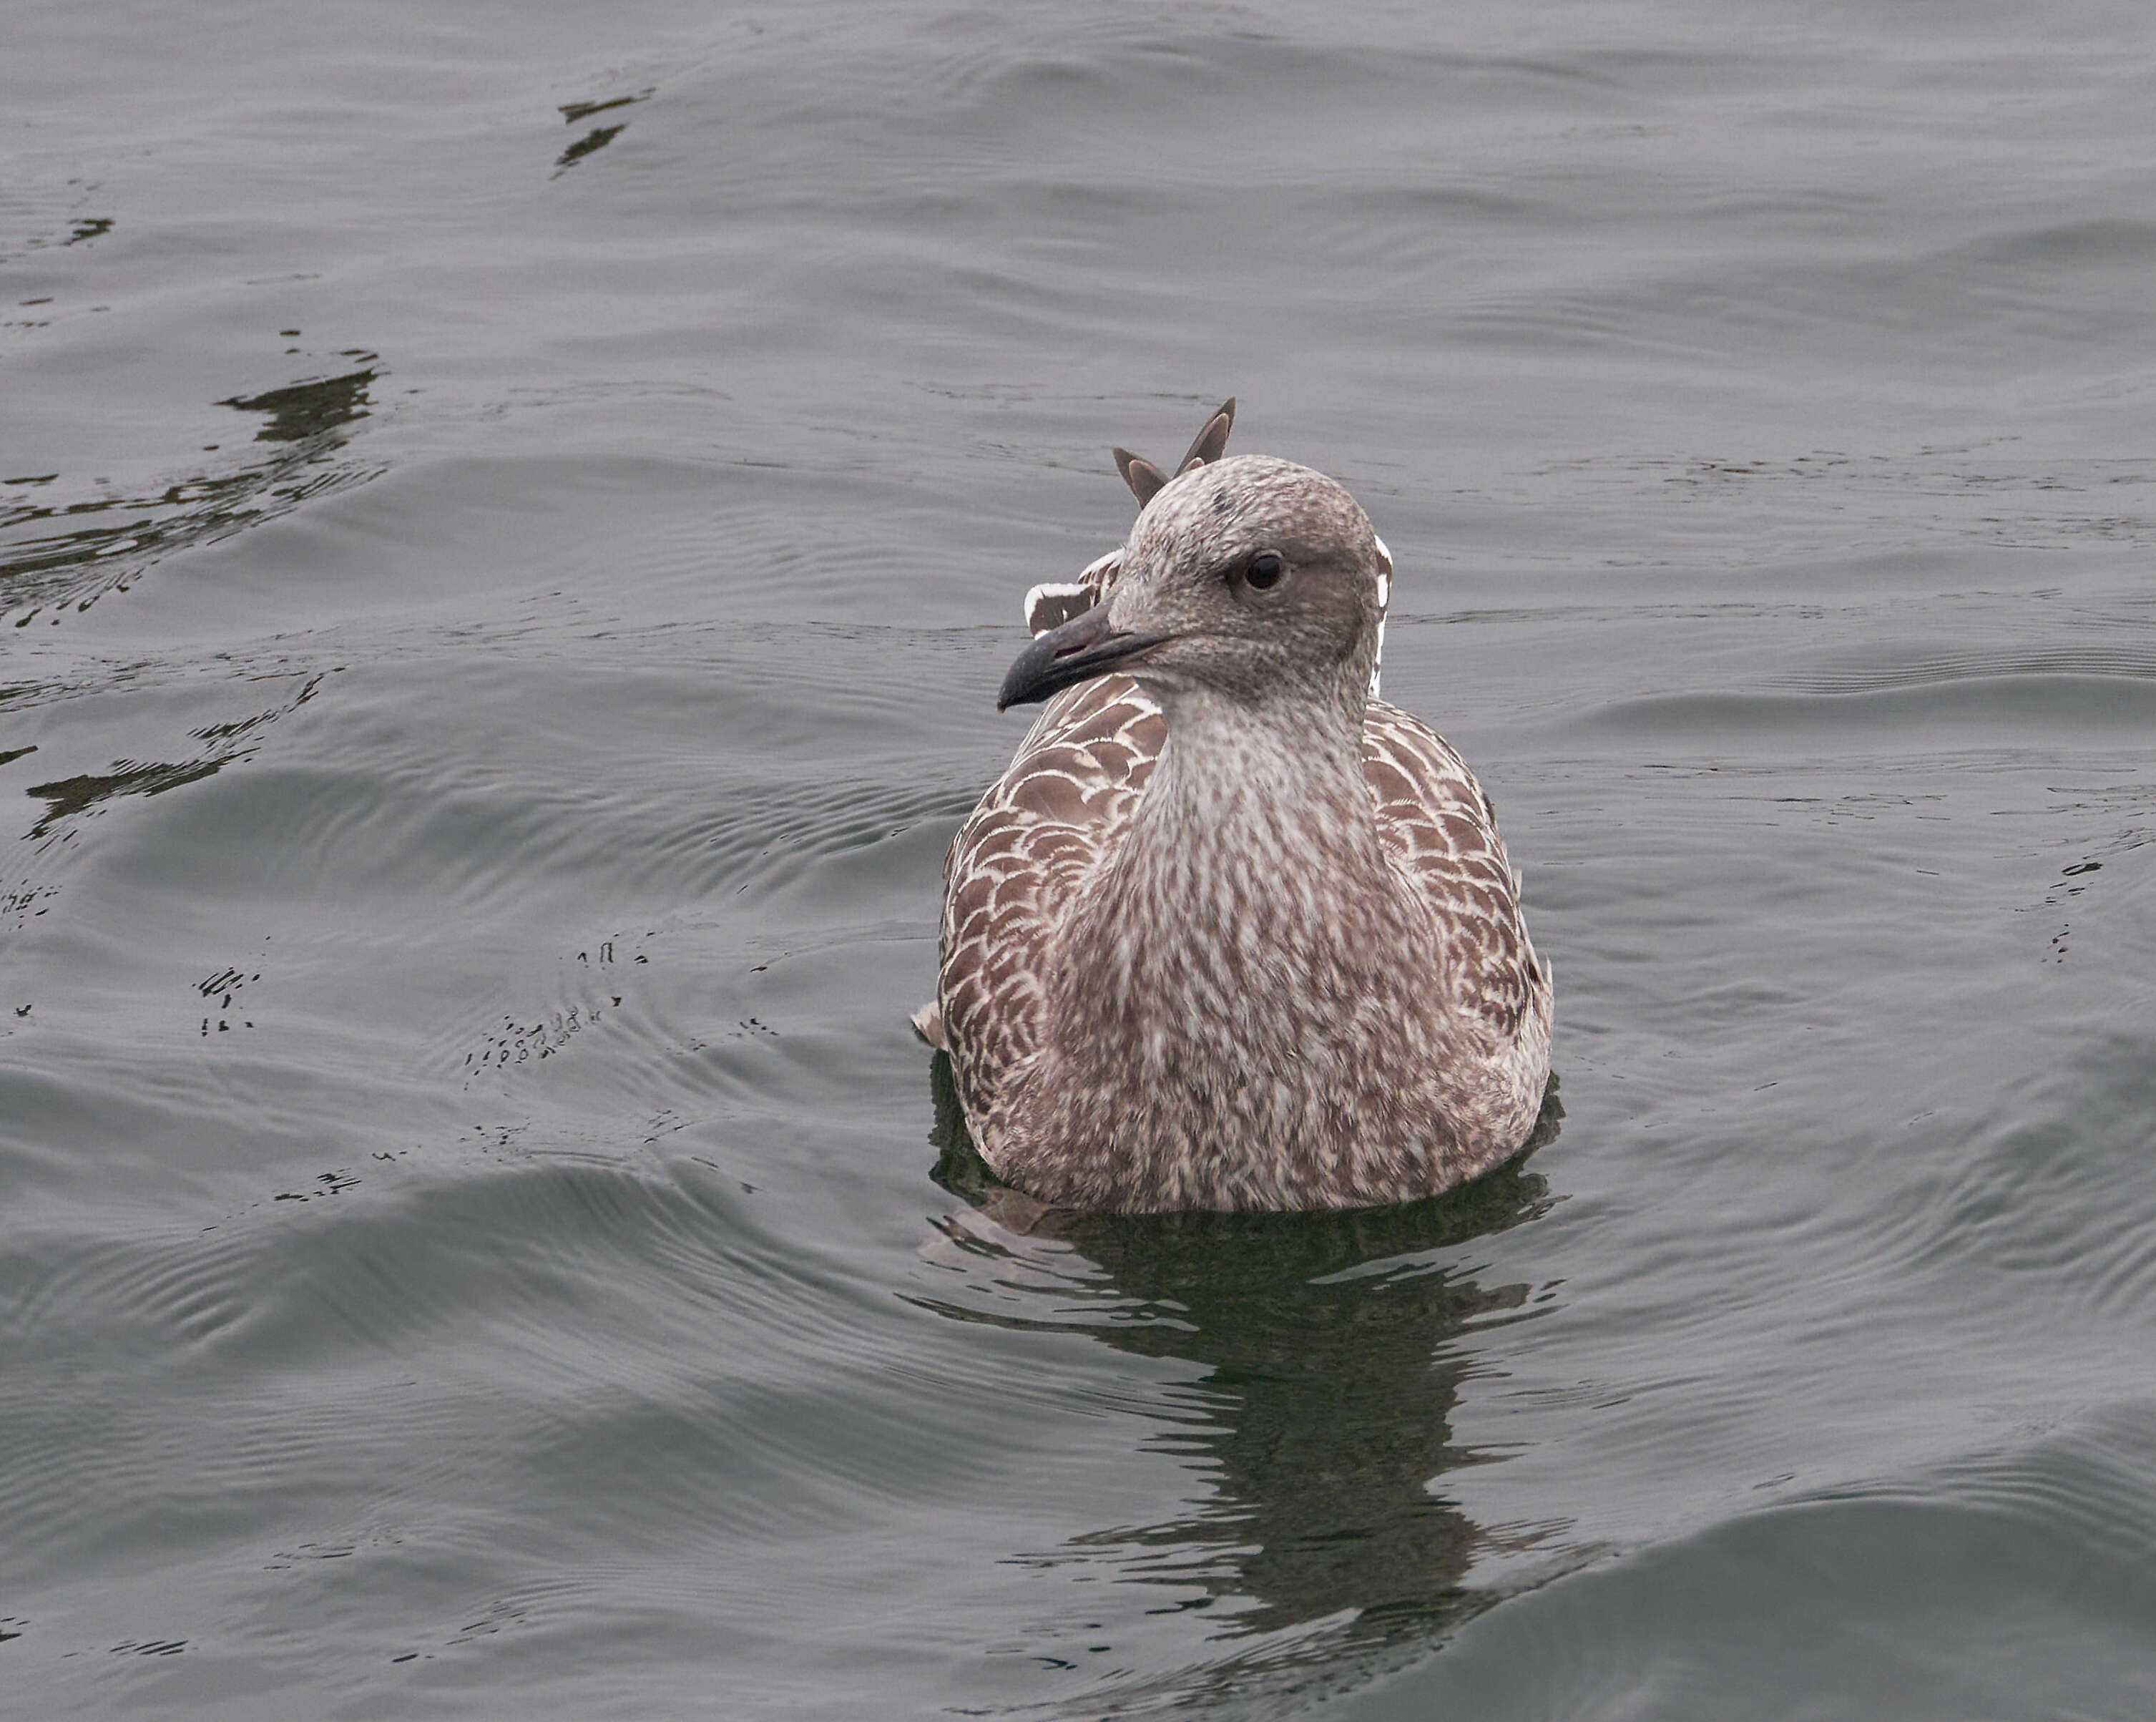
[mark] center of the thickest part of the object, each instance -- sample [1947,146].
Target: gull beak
[1084,647]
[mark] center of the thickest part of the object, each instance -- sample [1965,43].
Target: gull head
[1245,579]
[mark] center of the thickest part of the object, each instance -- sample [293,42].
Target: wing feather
[1019,862]
[1441,831]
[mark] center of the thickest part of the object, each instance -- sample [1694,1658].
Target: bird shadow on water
[1322,1423]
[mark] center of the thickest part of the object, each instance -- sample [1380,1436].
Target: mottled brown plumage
[1231,931]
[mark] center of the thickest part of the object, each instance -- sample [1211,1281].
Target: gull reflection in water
[1323,1424]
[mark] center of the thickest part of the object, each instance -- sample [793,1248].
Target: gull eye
[1265,571]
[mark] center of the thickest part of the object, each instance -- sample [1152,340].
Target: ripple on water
[1820,1607]
[2051,1195]
[1983,664]
[2030,704]
[503,1323]
[332,1353]
[59,555]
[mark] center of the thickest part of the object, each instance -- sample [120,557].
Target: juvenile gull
[1231,931]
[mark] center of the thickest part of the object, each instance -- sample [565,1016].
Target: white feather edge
[1088,581]
[1040,594]
[1384,603]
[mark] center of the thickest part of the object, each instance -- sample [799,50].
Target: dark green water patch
[66,555]
[309,410]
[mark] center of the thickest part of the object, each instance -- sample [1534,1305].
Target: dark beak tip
[1084,647]
[1041,669]
[1022,684]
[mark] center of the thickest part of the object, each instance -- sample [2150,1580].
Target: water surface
[512,523]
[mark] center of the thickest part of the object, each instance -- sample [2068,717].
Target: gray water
[514,518]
